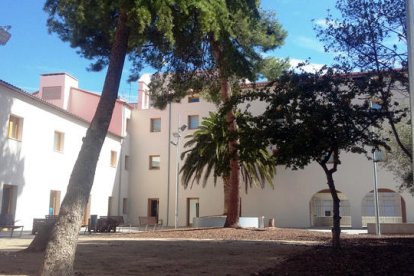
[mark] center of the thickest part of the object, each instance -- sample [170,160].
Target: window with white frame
[154,162]
[193,121]
[114,158]
[155,124]
[194,98]
[15,128]
[59,141]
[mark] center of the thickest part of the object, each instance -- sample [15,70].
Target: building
[299,198]
[41,137]
[136,174]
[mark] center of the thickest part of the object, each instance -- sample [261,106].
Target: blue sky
[32,51]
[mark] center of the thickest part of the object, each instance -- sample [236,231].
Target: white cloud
[311,67]
[309,43]
[321,22]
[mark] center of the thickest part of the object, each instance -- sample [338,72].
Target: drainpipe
[410,47]
[169,163]
[120,179]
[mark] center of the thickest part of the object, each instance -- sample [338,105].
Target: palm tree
[209,154]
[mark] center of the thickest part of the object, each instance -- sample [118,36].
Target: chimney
[55,88]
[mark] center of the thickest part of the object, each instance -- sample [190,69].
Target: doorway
[153,207]
[321,209]
[8,204]
[391,207]
[193,210]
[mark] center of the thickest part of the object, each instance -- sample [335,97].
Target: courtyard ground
[272,251]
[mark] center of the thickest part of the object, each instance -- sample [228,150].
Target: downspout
[120,179]
[410,50]
[169,163]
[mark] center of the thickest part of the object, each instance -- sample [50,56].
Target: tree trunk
[39,243]
[336,228]
[233,210]
[226,190]
[61,248]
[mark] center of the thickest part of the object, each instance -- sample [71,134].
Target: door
[193,210]
[153,207]
[8,204]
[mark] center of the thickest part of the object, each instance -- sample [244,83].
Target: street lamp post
[4,34]
[176,143]
[378,156]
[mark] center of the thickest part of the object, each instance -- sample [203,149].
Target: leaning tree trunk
[60,251]
[336,228]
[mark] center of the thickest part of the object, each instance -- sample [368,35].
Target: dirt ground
[178,252]
[182,252]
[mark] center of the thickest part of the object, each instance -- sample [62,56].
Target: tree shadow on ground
[361,256]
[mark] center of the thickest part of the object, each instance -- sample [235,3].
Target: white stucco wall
[35,167]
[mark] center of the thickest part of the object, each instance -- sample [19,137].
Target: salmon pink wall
[83,104]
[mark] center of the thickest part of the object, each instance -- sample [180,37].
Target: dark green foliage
[246,33]
[371,36]
[310,115]
[314,117]
[209,154]
[368,36]
[398,162]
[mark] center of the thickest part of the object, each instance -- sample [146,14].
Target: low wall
[392,228]
[218,221]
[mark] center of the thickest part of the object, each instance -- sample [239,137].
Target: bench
[38,223]
[7,223]
[12,228]
[392,228]
[148,221]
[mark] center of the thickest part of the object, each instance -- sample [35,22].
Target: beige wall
[288,202]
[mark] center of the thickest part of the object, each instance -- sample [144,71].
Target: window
[114,159]
[52,93]
[125,205]
[192,121]
[15,127]
[154,161]
[126,162]
[59,141]
[193,99]
[375,103]
[155,124]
